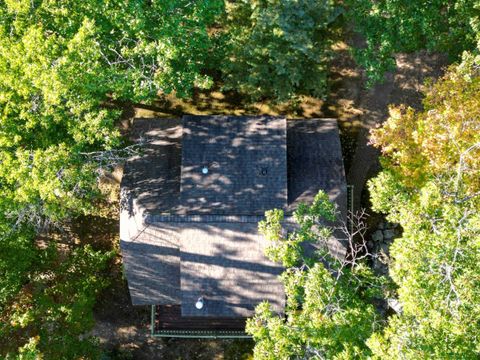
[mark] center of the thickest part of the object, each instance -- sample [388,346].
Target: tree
[279,48]
[65,67]
[61,66]
[51,315]
[329,311]
[430,185]
[18,256]
[393,26]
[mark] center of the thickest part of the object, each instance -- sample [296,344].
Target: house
[190,205]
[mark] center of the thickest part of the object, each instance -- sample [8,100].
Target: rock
[388,234]
[395,305]
[385,248]
[379,267]
[377,236]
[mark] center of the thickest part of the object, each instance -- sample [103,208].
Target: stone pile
[379,245]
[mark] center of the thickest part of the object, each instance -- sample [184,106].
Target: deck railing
[192,333]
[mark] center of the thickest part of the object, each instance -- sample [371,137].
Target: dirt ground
[123,330]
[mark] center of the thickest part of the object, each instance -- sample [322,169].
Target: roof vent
[199,303]
[262,171]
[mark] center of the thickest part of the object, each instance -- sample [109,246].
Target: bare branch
[108,159]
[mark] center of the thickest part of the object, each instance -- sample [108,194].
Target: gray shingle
[246,161]
[152,263]
[315,162]
[175,248]
[225,264]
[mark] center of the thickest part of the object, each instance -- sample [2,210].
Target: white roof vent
[199,303]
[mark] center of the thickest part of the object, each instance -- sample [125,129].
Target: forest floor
[123,330]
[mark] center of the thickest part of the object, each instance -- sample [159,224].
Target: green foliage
[393,26]
[329,312]
[65,66]
[61,66]
[286,247]
[430,185]
[144,46]
[52,313]
[17,257]
[279,48]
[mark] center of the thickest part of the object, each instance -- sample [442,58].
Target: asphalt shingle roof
[176,250]
[315,162]
[246,160]
[225,264]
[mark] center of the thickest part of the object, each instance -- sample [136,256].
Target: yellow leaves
[278,32]
[27,351]
[431,142]
[21,319]
[18,6]
[430,197]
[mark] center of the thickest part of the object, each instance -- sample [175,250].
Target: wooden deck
[169,317]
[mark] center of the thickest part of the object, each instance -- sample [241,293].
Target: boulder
[395,305]
[389,234]
[385,248]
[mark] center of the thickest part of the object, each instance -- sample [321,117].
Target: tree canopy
[66,67]
[61,66]
[50,316]
[393,26]
[430,186]
[279,48]
[329,311]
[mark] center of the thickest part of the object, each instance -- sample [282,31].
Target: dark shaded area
[152,270]
[153,177]
[169,317]
[95,231]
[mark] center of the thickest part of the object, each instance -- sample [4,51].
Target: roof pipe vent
[199,303]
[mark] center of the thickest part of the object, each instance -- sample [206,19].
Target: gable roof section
[315,162]
[225,264]
[246,160]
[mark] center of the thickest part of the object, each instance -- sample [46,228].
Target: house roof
[315,162]
[173,255]
[245,160]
